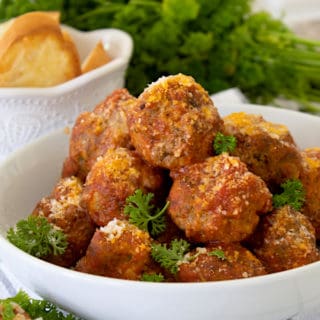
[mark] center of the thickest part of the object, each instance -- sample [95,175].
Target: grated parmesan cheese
[113,229]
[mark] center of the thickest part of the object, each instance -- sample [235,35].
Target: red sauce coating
[95,132]
[285,239]
[174,122]
[235,262]
[119,250]
[267,148]
[310,178]
[218,200]
[114,177]
[62,209]
[162,142]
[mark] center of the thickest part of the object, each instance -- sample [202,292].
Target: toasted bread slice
[35,53]
[96,58]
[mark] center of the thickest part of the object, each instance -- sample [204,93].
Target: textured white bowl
[27,113]
[30,173]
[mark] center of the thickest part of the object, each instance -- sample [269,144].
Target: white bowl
[27,113]
[30,173]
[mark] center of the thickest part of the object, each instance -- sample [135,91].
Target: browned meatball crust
[174,122]
[218,200]
[219,262]
[95,132]
[118,250]
[310,178]
[267,148]
[285,239]
[114,177]
[62,209]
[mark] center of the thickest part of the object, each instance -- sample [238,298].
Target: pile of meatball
[161,142]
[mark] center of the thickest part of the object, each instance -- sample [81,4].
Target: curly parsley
[36,309]
[152,277]
[223,143]
[168,258]
[143,214]
[293,194]
[36,236]
[219,253]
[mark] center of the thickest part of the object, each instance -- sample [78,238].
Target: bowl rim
[83,79]
[294,273]
[103,280]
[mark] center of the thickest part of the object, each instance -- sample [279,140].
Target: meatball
[171,231]
[114,177]
[267,148]
[218,200]
[174,122]
[118,250]
[219,262]
[95,132]
[62,209]
[310,178]
[285,239]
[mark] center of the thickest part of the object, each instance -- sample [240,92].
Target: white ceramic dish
[30,173]
[27,113]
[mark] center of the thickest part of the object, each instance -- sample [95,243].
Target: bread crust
[34,52]
[96,58]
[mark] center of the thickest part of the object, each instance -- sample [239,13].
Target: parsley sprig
[219,253]
[143,214]
[224,143]
[36,236]
[36,309]
[152,277]
[293,194]
[169,258]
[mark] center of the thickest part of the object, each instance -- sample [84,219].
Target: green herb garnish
[36,236]
[36,309]
[143,214]
[169,258]
[293,194]
[7,312]
[222,44]
[152,277]
[224,143]
[218,253]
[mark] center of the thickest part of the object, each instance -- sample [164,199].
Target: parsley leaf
[7,312]
[143,214]
[152,277]
[36,309]
[293,194]
[36,236]
[181,11]
[168,258]
[218,253]
[223,143]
